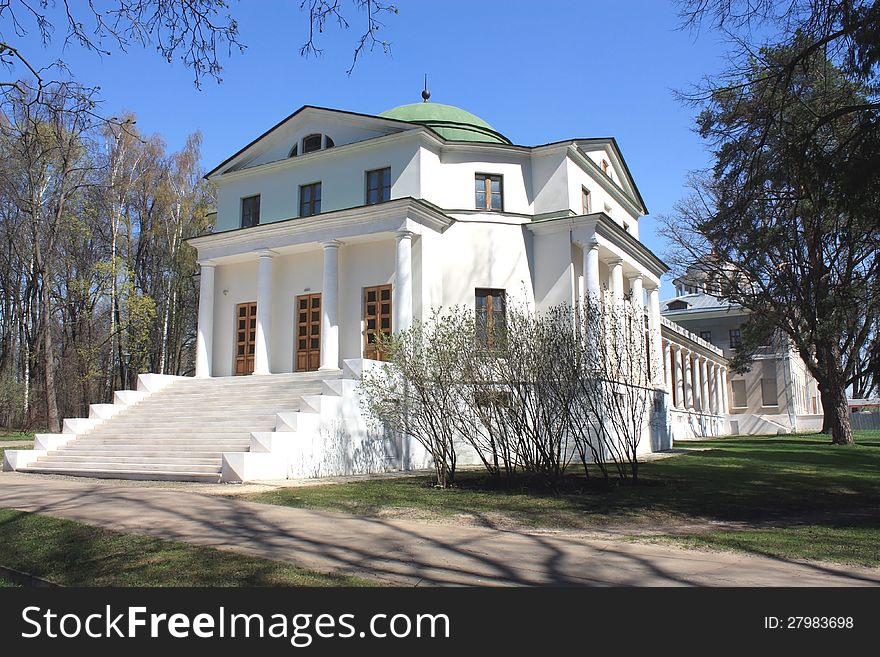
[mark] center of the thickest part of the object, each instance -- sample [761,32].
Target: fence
[864,420]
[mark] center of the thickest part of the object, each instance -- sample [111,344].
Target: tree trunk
[837,416]
[53,422]
[826,414]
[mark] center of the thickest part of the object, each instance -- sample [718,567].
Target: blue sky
[537,71]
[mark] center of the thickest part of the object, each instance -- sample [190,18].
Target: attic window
[605,168]
[676,305]
[311,143]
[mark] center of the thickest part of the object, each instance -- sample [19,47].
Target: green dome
[449,122]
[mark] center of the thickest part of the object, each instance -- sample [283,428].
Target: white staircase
[178,431]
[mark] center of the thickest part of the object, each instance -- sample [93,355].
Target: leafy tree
[786,219]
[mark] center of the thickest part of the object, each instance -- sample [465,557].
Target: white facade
[565,225]
[332,225]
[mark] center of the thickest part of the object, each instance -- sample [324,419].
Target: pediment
[340,127]
[605,152]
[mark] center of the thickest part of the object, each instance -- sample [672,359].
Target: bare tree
[47,143]
[419,393]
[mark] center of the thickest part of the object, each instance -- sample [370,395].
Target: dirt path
[404,551]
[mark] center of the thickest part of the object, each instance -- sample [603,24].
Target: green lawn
[851,545]
[73,554]
[16,435]
[776,481]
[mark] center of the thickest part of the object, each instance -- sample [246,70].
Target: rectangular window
[378,186]
[739,393]
[488,192]
[734,338]
[585,201]
[490,316]
[310,199]
[250,211]
[769,396]
[706,335]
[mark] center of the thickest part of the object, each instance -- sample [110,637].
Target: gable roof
[301,110]
[620,165]
[629,187]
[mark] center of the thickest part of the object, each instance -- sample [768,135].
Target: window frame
[320,137]
[312,201]
[241,210]
[734,384]
[734,340]
[775,383]
[487,190]
[586,200]
[381,188]
[706,335]
[487,336]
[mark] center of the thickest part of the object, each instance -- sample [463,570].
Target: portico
[332,262]
[695,373]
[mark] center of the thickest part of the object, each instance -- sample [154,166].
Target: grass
[848,545]
[775,482]
[73,554]
[16,435]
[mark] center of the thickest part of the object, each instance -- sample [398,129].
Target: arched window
[311,143]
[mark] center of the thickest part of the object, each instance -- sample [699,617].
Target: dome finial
[426,94]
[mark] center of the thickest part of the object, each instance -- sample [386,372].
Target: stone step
[140,451]
[206,424]
[93,459]
[134,467]
[268,385]
[202,412]
[184,401]
[114,448]
[138,439]
[203,428]
[145,475]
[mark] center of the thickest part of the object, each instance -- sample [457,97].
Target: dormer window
[312,143]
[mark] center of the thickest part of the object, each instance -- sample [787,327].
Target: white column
[636,286]
[677,356]
[667,367]
[591,269]
[401,300]
[330,307]
[725,395]
[205,334]
[264,313]
[713,388]
[617,278]
[688,379]
[654,324]
[705,405]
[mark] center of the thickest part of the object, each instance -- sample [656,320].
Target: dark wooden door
[377,318]
[308,332]
[245,337]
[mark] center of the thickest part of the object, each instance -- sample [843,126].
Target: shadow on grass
[74,554]
[745,479]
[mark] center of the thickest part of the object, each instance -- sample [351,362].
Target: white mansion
[333,226]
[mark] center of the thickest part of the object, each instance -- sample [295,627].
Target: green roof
[449,122]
